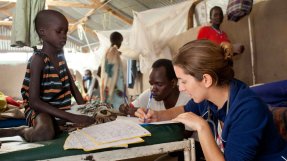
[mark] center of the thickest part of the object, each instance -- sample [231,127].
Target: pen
[148,105]
[126,99]
[127,102]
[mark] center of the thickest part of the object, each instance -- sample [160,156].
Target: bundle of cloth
[10,108]
[102,112]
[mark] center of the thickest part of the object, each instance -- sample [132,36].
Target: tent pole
[251,50]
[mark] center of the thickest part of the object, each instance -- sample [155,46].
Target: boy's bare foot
[13,131]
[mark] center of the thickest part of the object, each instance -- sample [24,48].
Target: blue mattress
[12,123]
[273,93]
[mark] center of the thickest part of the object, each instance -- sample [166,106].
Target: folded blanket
[11,101]
[3,102]
[12,112]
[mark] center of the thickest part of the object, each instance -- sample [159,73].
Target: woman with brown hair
[232,122]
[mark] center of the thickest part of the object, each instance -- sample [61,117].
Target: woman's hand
[146,115]
[191,120]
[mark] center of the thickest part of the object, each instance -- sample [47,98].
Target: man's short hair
[167,64]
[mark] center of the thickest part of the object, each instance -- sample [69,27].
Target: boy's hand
[124,108]
[83,121]
[127,110]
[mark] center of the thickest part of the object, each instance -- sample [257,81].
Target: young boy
[48,84]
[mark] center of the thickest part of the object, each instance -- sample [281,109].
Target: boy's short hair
[44,17]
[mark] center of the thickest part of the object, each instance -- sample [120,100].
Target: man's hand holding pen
[146,116]
[148,107]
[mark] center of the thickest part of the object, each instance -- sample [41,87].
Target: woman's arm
[208,144]
[206,138]
[153,116]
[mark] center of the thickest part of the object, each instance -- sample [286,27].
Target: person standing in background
[215,34]
[87,80]
[112,77]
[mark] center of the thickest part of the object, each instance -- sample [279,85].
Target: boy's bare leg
[43,130]
[13,131]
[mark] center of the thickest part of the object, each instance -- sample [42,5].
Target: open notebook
[118,133]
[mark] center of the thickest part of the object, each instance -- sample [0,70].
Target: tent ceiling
[94,15]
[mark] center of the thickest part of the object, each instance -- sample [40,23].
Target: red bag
[237,9]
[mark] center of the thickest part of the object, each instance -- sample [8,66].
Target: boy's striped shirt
[54,86]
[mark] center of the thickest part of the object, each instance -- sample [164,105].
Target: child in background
[87,80]
[77,83]
[48,84]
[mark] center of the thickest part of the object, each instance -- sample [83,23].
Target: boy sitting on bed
[48,84]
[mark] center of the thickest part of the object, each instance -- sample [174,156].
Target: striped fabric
[54,86]
[237,9]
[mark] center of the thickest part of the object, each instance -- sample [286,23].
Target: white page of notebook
[80,140]
[115,131]
[72,142]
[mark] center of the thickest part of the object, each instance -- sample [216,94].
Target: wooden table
[188,146]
